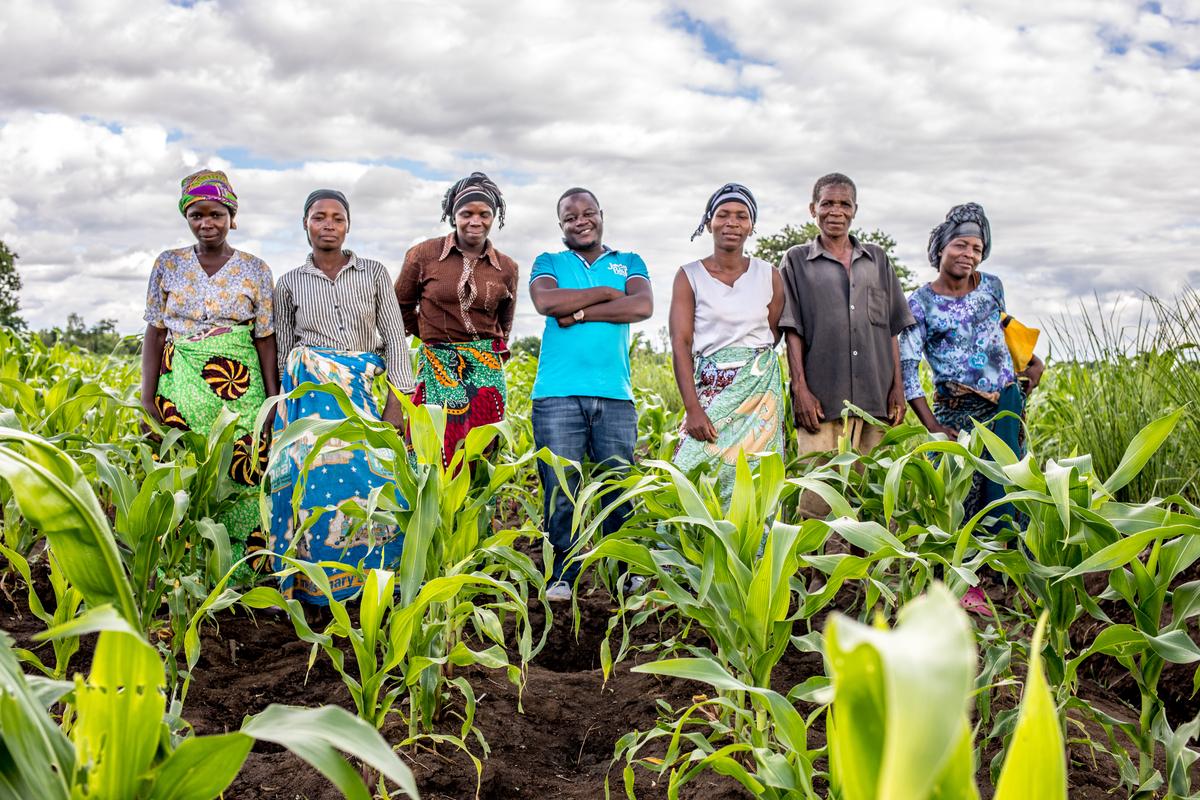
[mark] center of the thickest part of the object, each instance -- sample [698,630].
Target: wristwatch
[578,315]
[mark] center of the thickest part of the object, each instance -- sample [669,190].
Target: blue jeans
[597,429]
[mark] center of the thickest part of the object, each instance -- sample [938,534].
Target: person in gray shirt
[843,311]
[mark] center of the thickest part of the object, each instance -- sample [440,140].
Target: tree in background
[10,289]
[526,344]
[772,248]
[99,337]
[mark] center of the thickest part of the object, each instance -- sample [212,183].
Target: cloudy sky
[1074,123]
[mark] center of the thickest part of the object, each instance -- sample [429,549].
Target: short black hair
[834,179]
[575,190]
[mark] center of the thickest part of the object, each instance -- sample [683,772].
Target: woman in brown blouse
[458,294]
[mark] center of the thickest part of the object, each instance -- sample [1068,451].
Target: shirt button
[854,353]
[851,307]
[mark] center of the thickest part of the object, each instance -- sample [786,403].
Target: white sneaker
[560,592]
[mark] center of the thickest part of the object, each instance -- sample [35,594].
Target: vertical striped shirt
[356,311]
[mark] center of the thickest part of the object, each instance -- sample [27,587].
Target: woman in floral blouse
[958,331]
[210,341]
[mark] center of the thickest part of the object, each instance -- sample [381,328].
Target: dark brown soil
[561,746]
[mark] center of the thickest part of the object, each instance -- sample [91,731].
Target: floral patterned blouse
[186,301]
[960,337]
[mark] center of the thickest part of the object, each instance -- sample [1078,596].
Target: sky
[1073,123]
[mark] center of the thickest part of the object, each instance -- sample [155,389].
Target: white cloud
[1082,155]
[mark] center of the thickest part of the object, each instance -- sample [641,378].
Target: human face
[834,210]
[961,256]
[210,222]
[731,225]
[472,222]
[327,225]
[581,221]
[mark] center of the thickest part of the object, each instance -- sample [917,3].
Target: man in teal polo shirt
[582,397]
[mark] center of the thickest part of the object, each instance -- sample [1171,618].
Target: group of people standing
[220,334]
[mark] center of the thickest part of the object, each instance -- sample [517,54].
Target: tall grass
[1108,379]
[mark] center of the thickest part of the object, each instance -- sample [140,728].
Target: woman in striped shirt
[337,322]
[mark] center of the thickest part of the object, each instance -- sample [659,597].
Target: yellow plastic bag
[1020,340]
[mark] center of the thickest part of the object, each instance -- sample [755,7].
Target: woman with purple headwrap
[210,341]
[958,332]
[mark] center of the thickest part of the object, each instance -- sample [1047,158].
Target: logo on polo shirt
[619,269]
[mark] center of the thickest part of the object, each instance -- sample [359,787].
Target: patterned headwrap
[325,194]
[730,192]
[475,186]
[207,184]
[965,220]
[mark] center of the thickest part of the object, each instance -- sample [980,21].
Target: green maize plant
[62,394]
[390,643]
[1071,517]
[126,693]
[1159,545]
[67,601]
[897,728]
[710,572]
[119,745]
[445,512]
[161,552]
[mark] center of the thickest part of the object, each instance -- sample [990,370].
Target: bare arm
[921,407]
[895,397]
[775,307]
[550,301]
[1033,371]
[682,324]
[806,408]
[152,353]
[268,362]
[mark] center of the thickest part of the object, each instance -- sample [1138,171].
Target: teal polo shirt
[588,359]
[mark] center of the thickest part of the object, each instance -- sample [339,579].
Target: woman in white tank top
[724,314]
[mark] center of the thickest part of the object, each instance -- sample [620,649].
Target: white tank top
[731,316]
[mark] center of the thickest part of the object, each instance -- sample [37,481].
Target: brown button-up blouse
[445,297]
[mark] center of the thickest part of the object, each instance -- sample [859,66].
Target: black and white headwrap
[965,220]
[474,187]
[730,192]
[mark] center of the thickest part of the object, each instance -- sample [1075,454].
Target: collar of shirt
[816,249]
[451,243]
[605,251]
[311,267]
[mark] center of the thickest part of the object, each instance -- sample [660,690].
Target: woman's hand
[937,427]
[806,408]
[1033,374]
[152,413]
[698,426]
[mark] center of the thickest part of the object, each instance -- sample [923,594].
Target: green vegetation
[1101,570]
[10,288]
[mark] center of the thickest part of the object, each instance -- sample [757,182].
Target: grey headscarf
[965,220]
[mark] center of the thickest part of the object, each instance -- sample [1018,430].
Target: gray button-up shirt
[847,321]
[356,312]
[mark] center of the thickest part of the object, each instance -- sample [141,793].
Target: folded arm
[635,305]
[550,301]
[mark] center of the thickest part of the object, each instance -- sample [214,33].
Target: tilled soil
[559,745]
